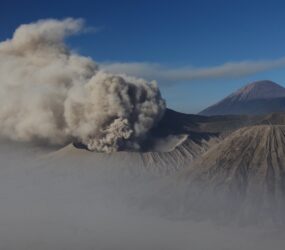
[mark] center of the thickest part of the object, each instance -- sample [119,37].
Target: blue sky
[216,45]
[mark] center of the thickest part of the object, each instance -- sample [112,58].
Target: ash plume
[52,94]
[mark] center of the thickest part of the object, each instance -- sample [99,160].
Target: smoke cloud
[229,70]
[49,93]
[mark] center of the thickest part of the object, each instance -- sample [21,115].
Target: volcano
[260,97]
[246,170]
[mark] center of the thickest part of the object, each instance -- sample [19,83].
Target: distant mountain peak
[259,97]
[259,90]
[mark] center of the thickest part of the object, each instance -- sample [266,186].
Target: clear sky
[198,51]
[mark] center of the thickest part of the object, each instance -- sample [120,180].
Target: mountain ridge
[259,97]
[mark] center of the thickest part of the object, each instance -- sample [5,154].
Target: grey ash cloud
[50,93]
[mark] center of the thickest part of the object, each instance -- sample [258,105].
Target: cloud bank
[49,93]
[168,75]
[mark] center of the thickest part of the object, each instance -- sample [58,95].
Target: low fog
[51,201]
[54,195]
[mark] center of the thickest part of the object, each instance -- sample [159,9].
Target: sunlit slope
[156,162]
[244,172]
[260,97]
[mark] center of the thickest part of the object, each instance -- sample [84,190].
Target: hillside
[261,97]
[243,174]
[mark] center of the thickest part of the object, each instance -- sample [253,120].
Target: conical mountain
[260,97]
[244,174]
